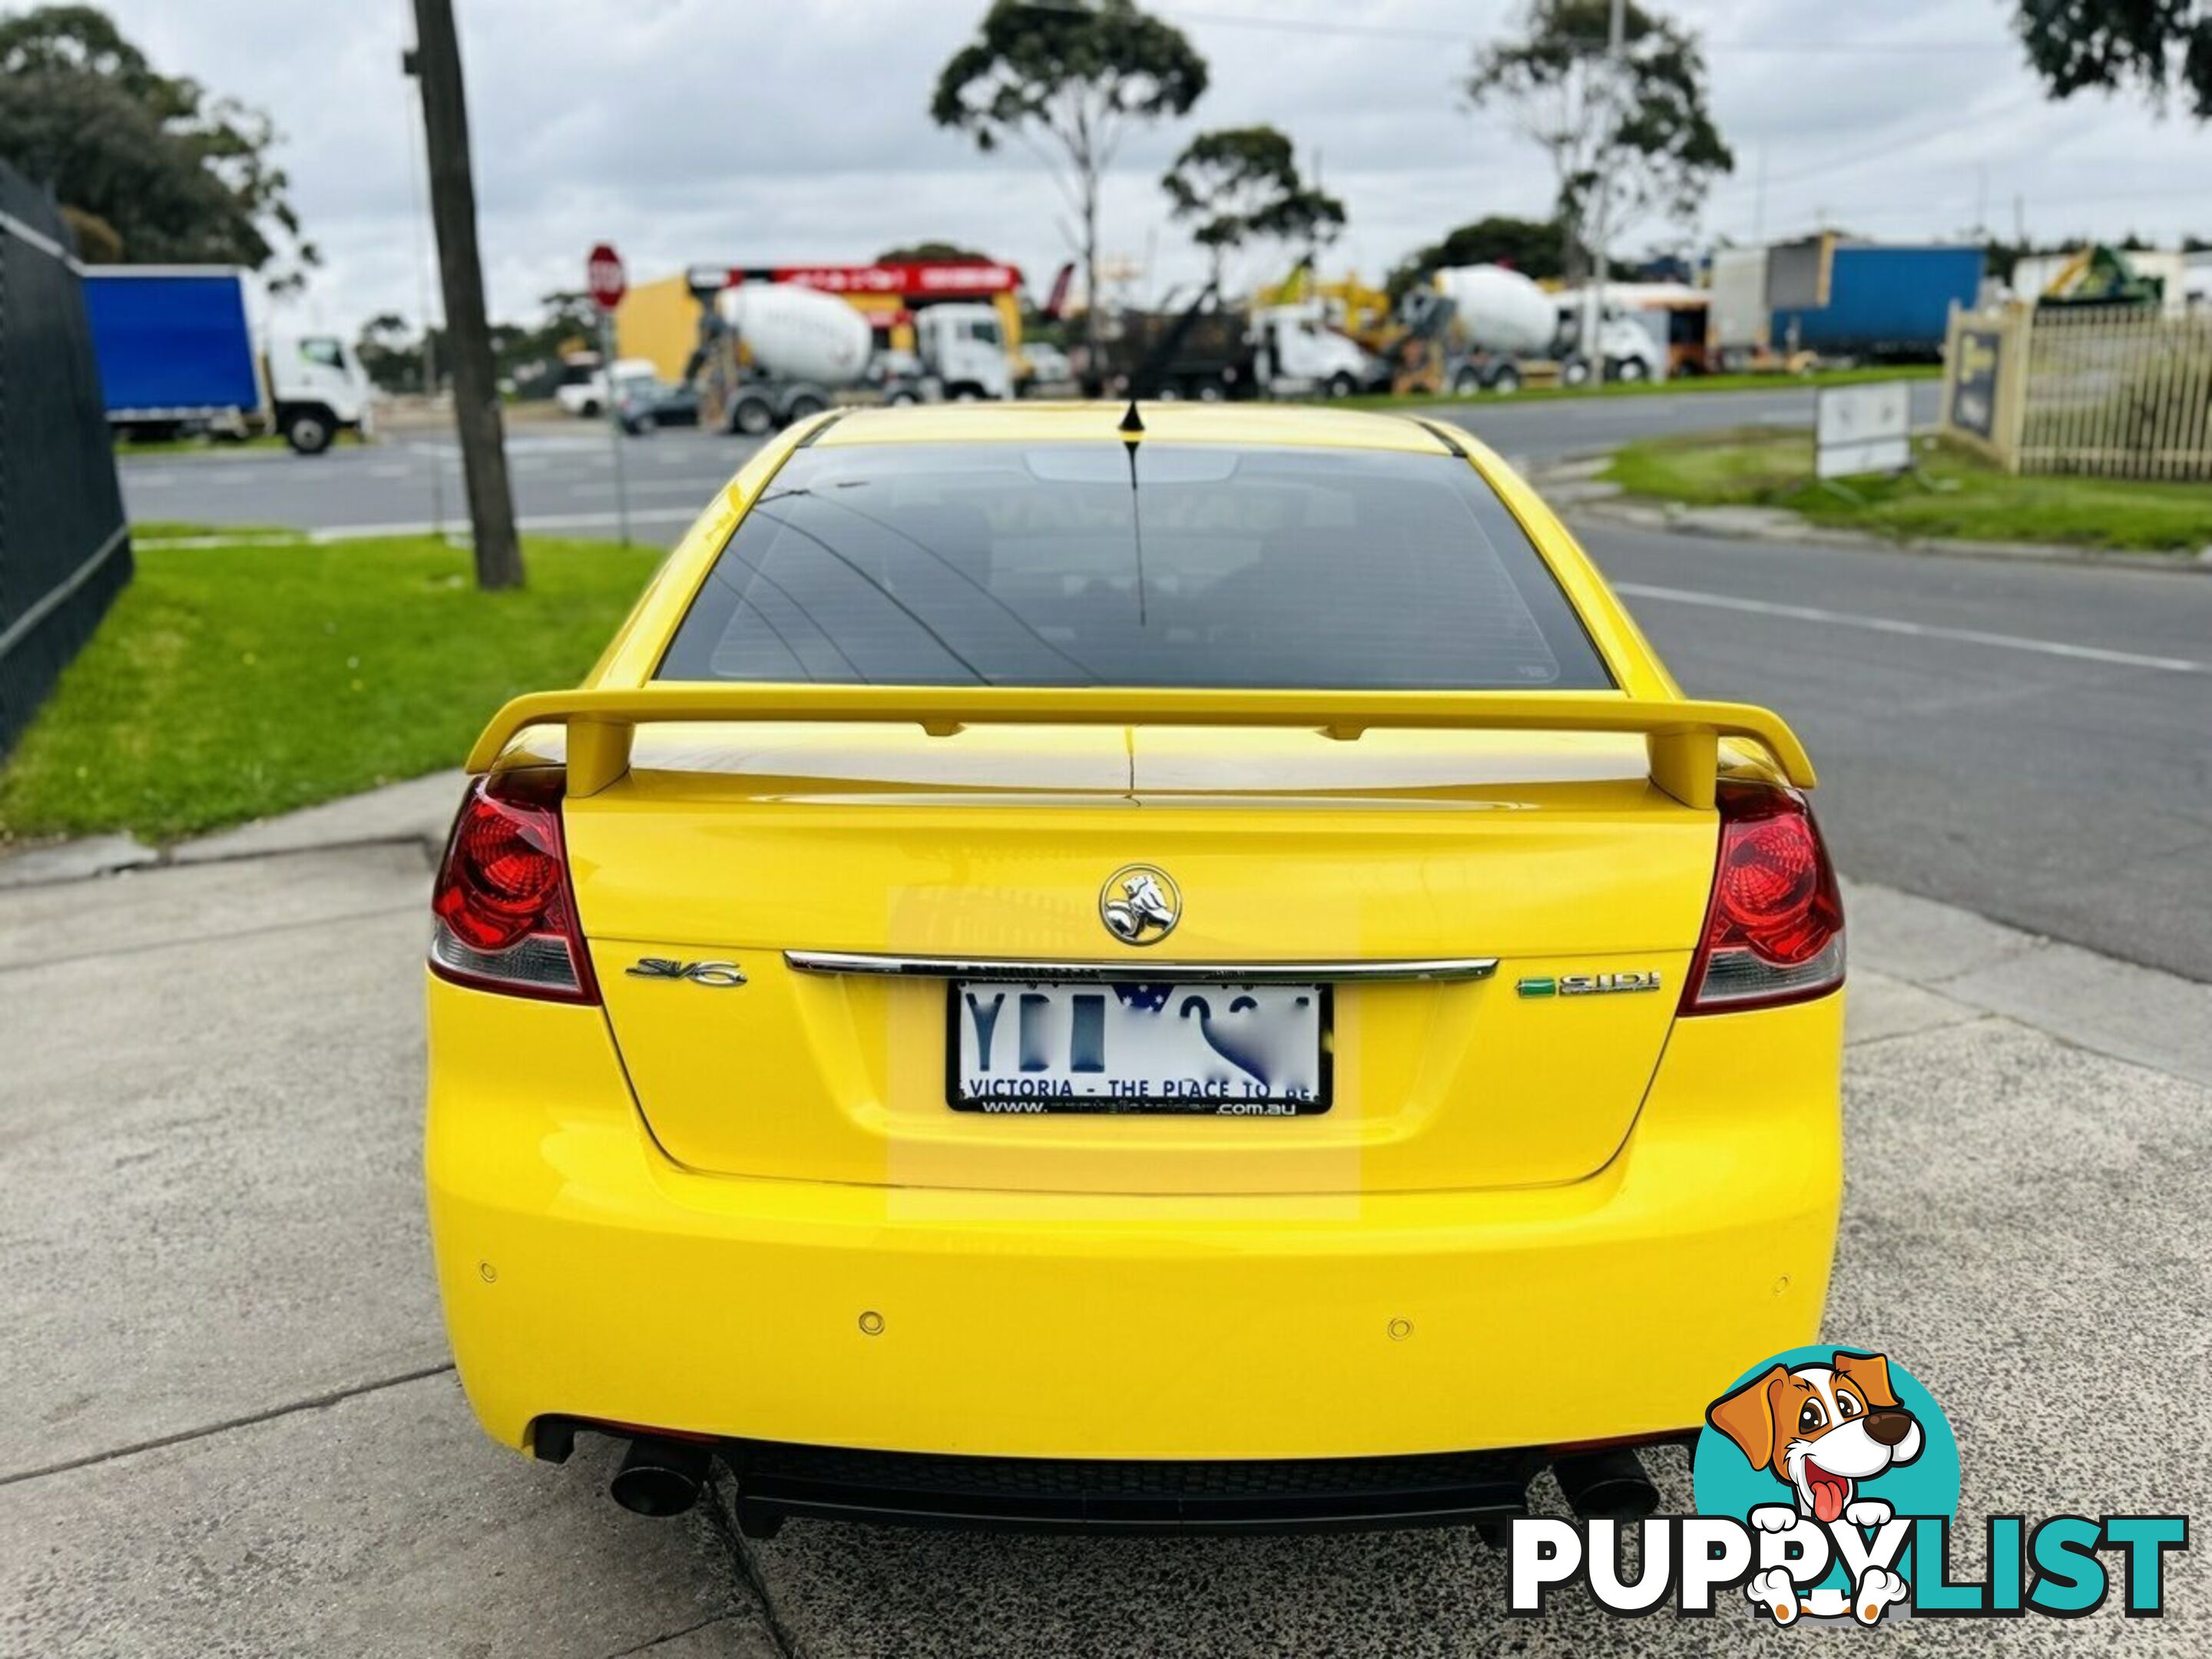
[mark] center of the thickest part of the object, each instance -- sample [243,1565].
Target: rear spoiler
[1682,735]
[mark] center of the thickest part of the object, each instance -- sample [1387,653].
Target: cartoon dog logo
[1823,1431]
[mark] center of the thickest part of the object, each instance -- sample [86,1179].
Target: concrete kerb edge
[166,858]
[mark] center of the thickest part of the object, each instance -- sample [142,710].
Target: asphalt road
[563,476]
[1548,429]
[2032,742]
[564,471]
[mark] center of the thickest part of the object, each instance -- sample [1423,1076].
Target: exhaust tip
[660,1477]
[1607,1486]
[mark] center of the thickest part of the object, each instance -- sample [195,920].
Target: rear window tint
[1001,564]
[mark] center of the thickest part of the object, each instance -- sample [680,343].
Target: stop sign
[603,275]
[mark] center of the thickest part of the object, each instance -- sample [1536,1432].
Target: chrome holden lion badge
[1140,904]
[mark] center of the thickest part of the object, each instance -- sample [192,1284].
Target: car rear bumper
[587,1277]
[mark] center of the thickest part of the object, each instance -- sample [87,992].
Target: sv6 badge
[718,974]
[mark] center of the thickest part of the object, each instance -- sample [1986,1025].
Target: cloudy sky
[796,131]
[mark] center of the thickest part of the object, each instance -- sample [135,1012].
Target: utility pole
[436,62]
[419,167]
[1593,340]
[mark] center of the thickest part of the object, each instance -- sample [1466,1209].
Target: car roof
[1166,422]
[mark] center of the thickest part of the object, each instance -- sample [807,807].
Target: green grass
[231,682]
[1969,498]
[1694,383]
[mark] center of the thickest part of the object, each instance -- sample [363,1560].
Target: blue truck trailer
[175,345]
[1886,302]
[176,351]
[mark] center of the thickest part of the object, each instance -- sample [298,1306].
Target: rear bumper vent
[773,1479]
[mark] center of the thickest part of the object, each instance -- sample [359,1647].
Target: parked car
[1141,965]
[900,378]
[645,402]
[1050,372]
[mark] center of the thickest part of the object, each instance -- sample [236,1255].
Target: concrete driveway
[233,1427]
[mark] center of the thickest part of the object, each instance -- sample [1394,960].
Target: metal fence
[2105,391]
[2125,392]
[64,546]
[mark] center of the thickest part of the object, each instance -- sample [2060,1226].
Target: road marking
[658,486]
[1917,630]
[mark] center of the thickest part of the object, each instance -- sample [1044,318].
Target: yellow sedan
[1174,966]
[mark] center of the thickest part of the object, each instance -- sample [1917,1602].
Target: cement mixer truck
[773,353]
[1475,328]
[770,354]
[1485,328]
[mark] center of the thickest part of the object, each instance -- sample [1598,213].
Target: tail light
[1774,928]
[506,913]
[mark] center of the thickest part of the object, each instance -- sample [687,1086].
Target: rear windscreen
[1081,564]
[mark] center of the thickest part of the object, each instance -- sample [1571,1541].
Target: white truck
[582,390]
[964,347]
[777,352]
[1301,353]
[177,352]
[1629,344]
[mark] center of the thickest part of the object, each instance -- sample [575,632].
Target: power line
[1471,37]
[1909,141]
[1891,204]
[1866,213]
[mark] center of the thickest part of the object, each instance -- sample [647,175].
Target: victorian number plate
[1219,1050]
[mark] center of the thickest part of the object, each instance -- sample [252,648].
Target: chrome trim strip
[1140,970]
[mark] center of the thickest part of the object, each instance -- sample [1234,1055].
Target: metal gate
[2120,392]
[64,546]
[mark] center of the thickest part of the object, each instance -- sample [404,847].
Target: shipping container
[1884,302]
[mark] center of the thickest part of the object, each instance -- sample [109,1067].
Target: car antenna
[1132,428]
